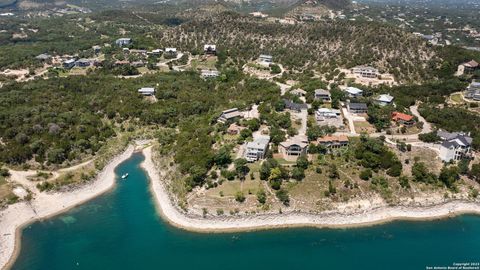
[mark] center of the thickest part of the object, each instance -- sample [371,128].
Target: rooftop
[385,98]
[340,138]
[401,116]
[358,106]
[353,90]
[321,92]
[299,140]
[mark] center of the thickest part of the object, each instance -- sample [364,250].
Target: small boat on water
[125,176]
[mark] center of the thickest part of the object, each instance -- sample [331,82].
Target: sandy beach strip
[332,219]
[44,205]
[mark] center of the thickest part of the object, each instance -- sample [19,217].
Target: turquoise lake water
[121,230]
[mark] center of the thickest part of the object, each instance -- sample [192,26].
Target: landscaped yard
[363,126]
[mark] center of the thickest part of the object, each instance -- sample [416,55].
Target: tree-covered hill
[329,44]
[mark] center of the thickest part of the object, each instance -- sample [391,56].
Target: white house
[70,63]
[265,59]
[210,49]
[365,71]
[327,113]
[353,92]
[455,149]
[171,51]
[147,91]
[257,149]
[209,73]
[123,42]
[384,100]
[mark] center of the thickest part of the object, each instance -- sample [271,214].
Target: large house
[209,73]
[265,59]
[473,91]
[327,113]
[257,149]
[323,95]
[333,141]
[384,100]
[83,63]
[123,42]
[68,64]
[229,115]
[353,92]
[43,57]
[455,146]
[403,119]
[467,68]
[210,49]
[365,71]
[172,52]
[298,107]
[357,107]
[294,147]
[147,91]
[298,92]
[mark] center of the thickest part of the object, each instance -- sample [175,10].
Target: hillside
[325,45]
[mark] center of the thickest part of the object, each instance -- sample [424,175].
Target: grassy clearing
[6,194]
[457,98]
[363,126]
[230,188]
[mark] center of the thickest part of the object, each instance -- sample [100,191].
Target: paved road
[427,127]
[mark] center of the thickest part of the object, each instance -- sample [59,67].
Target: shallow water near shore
[122,230]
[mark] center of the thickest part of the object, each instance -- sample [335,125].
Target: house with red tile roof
[402,118]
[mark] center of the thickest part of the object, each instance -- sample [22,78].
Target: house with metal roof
[298,107]
[146,91]
[384,100]
[365,71]
[353,92]
[123,42]
[323,95]
[229,115]
[357,107]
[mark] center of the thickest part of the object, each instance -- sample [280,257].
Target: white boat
[125,176]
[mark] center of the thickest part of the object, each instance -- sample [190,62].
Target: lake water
[121,230]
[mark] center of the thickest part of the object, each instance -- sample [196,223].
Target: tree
[475,172]
[275,178]
[298,173]
[420,173]
[222,157]
[333,172]
[403,181]
[261,196]
[283,196]
[302,162]
[366,174]
[431,137]
[241,167]
[395,170]
[463,166]
[449,175]
[239,197]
